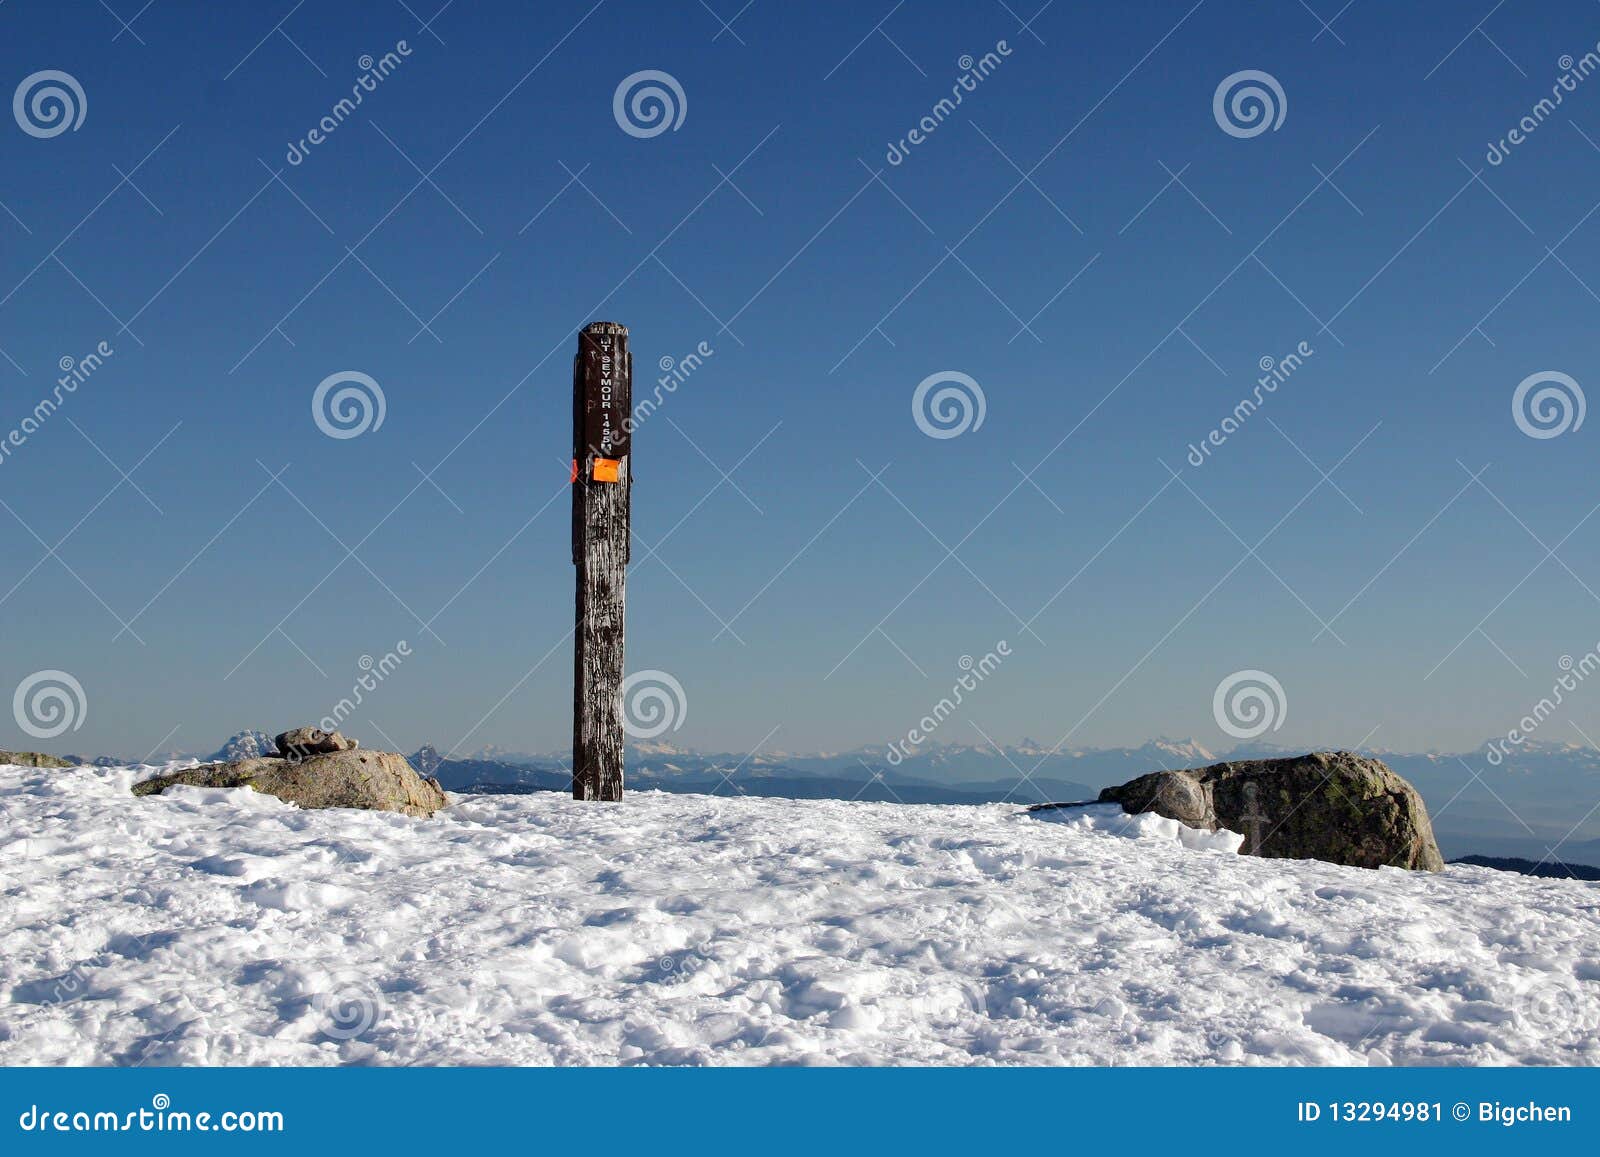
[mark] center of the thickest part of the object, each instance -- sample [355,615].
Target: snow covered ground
[207,927]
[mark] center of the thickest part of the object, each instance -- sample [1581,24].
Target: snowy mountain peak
[1189,751]
[651,748]
[247,744]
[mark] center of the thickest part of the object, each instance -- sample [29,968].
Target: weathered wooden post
[602,404]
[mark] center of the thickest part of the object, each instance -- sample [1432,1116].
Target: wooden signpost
[602,405]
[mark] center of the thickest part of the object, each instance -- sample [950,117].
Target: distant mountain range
[1549,869]
[936,773]
[1543,796]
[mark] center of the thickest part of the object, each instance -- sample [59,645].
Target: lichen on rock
[339,775]
[1336,806]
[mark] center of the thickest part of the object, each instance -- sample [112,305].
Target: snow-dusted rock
[374,780]
[306,741]
[33,759]
[1335,806]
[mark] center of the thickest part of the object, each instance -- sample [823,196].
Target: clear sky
[1081,237]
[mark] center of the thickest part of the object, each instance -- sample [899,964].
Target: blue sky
[1080,237]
